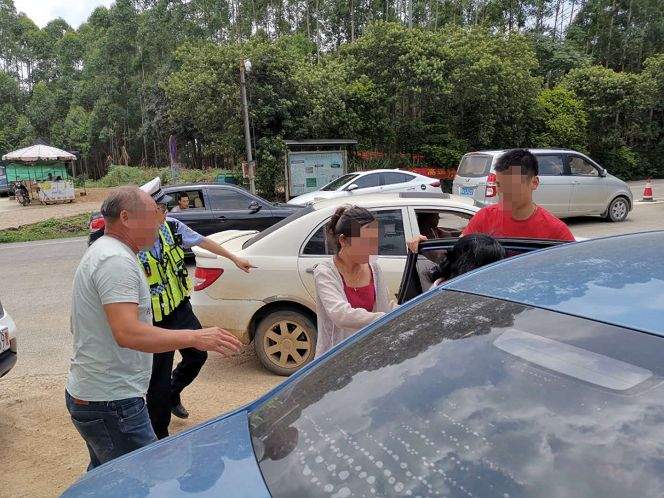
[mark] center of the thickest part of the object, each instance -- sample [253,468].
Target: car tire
[285,341]
[618,209]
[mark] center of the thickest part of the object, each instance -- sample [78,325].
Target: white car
[370,182]
[8,342]
[275,305]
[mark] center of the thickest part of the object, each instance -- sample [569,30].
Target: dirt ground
[13,215]
[42,453]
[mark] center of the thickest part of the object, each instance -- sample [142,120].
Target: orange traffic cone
[647,191]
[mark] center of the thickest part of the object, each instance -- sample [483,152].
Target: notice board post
[312,164]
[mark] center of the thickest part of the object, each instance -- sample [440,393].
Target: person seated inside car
[467,253]
[428,225]
[183,203]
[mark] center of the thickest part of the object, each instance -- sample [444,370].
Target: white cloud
[74,12]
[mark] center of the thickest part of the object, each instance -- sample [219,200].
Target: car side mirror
[602,172]
[254,207]
[352,186]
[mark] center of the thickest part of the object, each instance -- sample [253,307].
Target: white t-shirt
[100,369]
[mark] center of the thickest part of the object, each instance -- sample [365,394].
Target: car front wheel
[618,209]
[285,341]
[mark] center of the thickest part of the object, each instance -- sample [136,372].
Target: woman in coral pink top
[350,289]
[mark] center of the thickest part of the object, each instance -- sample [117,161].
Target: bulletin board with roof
[312,164]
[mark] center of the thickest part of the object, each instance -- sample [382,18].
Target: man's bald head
[130,199]
[132,215]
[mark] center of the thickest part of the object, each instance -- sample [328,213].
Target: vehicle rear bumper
[232,315]
[7,361]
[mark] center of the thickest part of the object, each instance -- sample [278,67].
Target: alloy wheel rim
[287,344]
[619,210]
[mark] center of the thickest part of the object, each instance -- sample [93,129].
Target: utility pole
[247,132]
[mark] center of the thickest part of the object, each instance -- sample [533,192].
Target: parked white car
[8,342]
[370,182]
[571,184]
[275,304]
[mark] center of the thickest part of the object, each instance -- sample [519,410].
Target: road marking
[18,245]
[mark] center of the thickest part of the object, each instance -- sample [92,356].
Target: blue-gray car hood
[214,459]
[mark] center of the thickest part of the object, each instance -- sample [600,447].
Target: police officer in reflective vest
[170,286]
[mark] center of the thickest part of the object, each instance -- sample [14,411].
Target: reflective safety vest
[167,276]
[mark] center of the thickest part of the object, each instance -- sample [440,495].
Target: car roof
[534,151]
[194,186]
[617,280]
[397,198]
[393,170]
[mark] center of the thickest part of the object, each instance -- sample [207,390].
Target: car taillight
[491,189]
[435,184]
[97,224]
[205,277]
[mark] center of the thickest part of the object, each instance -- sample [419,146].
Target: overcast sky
[73,11]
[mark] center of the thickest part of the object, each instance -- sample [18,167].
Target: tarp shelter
[39,152]
[37,172]
[40,165]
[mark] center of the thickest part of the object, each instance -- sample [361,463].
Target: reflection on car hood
[569,277]
[215,459]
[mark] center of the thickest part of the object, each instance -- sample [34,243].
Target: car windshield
[297,214]
[468,396]
[339,182]
[474,165]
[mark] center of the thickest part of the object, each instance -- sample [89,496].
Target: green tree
[562,120]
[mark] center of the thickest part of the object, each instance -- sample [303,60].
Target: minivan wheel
[285,341]
[618,209]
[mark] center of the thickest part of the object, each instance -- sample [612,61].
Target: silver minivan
[571,184]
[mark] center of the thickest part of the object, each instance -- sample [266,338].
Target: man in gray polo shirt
[113,335]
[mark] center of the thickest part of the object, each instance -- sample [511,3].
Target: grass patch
[72,226]
[131,175]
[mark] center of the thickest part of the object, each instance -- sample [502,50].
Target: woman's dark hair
[468,253]
[518,157]
[346,220]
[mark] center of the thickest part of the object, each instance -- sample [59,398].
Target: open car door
[415,281]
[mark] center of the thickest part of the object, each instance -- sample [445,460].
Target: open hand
[216,339]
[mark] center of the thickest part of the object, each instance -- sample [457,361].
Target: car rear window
[469,396]
[297,214]
[474,165]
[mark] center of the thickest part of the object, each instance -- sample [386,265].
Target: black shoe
[179,411]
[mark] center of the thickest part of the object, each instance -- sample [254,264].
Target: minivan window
[550,165]
[469,396]
[474,165]
[580,167]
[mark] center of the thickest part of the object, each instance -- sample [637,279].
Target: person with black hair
[350,289]
[468,253]
[516,215]
[183,203]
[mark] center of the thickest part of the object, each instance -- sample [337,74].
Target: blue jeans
[111,428]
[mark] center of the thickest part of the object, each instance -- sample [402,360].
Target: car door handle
[310,270]
[221,218]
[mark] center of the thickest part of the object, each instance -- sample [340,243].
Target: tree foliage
[435,78]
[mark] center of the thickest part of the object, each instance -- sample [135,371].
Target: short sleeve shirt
[100,369]
[190,238]
[495,221]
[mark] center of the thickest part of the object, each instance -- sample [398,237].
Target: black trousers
[166,384]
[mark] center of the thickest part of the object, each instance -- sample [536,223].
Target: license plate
[4,340]
[467,191]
